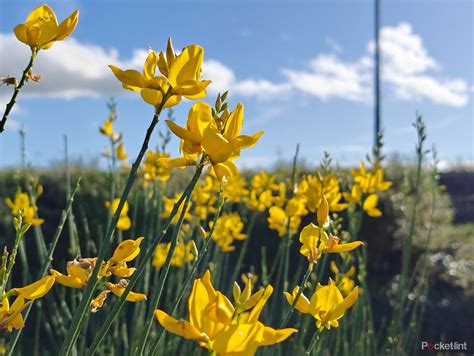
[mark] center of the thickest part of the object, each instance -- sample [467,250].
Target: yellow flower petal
[179,327]
[127,250]
[37,289]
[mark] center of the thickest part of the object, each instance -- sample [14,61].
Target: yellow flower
[228,228]
[119,288]
[107,128]
[120,152]
[204,199]
[10,316]
[78,272]
[343,280]
[182,75]
[287,220]
[183,253]
[126,251]
[370,205]
[152,170]
[315,241]
[327,305]
[214,324]
[235,190]
[21,205]
[221,143]
[199,118]
[370,182]
[261,192]
[152,88]
[98,302]
[41,28]
[124,222]
[313,188]
[37,289]
[223,147]
[184,71]
[168,207]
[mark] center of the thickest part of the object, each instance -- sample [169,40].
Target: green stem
[301,288]
[47,262]
[161,282]
[141,266]
[312,343]
[192,273]
[82,309]
[18,87]
[244,248]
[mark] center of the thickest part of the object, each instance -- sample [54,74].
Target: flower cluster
[10,315]
[366,185]
[80,269]
[21,205]
[212,138]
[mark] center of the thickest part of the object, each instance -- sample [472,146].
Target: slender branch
[18,87]
[82,309]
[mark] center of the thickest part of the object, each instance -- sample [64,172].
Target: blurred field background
[449,312]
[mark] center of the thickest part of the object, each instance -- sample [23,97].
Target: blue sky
[302,69]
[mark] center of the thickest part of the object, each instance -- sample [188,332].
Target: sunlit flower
[261,196]
[124,222]
[180,73]
[315,241]
[168,207]
[37,289]
[327,305]
[183,253]
[78,272]
[228,228]
[343,280]
[21,205]
[152,170]
[41,28]
[288,219]
[313,188]
[221,143]
[107,128]
[215,325]
[10,315]
[119,288]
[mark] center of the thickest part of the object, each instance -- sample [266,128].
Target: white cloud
[72,69]
[68,69]
[224,78]
[329,77]
[407,68]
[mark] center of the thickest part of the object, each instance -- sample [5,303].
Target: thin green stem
[244,248]
[47,262]
[82,309]
[312,343]
[161,282]
[192,273]
[301,288]
[141,266]
[18,87]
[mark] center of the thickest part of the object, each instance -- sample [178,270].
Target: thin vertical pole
[377,74]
